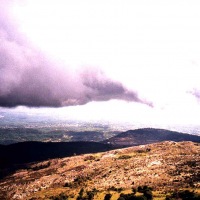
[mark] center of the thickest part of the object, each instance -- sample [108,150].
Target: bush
[121,198]
[80,179]
[61,196]
[67,185]
[108,196]
[89,158]
[184,195]
[131,197]
[81,192]
[127,196]
[147,192]
[140,198]
[134,190]
[89,195]
[124,157]
[113,188]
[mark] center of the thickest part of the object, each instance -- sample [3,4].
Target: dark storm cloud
[29,78]
[100,88]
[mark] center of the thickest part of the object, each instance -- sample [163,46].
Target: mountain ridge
[16,156]
[148,136]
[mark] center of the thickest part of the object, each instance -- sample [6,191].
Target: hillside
[15,156]
[36,151]
[163,166]
[149,136]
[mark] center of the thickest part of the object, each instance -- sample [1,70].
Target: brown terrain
[163,166]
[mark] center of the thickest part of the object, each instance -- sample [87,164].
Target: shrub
[184,195]
[141,151]
[121,198]
[140,198]
[127,196]
[68,184]
[81,192]
[108,196]
[61,196]
[134,190]
[81,179]
[124,157]
[147,192]
[89,158]
[113,188]
[90,195]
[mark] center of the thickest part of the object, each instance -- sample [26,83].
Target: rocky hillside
[149,136]
[163,166]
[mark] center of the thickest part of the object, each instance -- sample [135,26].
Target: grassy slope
[163,166]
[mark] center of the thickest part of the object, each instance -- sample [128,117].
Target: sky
[124,61]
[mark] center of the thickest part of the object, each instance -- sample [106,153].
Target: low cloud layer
[29,78]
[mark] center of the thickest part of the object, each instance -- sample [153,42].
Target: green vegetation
[88,195]
[145,190]
[61,196]
[113,188]
[183,195]
[113,193]
[108,196]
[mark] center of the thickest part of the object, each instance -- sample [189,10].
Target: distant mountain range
[148,136]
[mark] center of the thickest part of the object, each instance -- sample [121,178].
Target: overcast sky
[136,60]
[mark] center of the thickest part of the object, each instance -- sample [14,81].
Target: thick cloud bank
[29,78]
